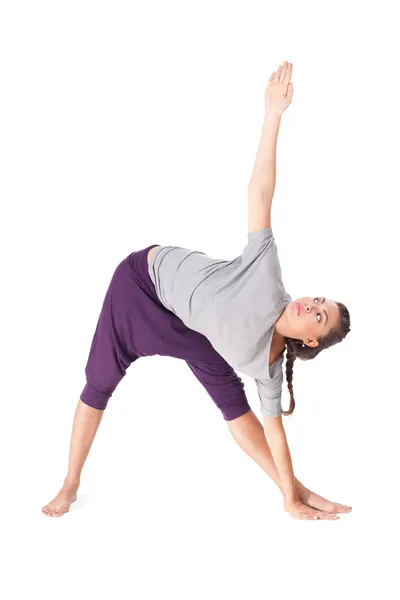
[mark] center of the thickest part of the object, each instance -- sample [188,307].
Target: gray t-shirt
[233,303]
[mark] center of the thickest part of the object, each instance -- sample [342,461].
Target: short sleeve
[259,242]
[270,394]
[263,234]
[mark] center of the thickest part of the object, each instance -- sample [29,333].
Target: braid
[289,378]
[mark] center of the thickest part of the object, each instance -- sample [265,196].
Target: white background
[125,124]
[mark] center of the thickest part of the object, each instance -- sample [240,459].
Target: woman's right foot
[61,503]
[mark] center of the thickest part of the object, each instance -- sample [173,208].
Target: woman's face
[310,318]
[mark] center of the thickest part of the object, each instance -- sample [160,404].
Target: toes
[50,511]
[55,511]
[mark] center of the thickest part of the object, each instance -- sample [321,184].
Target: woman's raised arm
[278,96]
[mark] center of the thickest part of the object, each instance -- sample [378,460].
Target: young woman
[216,315]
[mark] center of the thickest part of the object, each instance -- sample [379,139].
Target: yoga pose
[217,315]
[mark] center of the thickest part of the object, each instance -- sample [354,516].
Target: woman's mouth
[298,308]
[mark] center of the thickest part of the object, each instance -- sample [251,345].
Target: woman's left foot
[320,503]
[61,503]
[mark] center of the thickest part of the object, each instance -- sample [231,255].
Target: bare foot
[320,503]
[61,503]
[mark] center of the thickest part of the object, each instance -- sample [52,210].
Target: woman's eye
[318,314]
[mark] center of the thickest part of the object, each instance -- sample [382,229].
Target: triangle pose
[218,315]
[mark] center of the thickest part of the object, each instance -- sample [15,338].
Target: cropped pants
[134,323]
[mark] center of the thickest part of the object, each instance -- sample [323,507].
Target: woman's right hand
[279,90]
[298,510]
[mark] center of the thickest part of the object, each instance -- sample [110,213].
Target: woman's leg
[85,425]
[109,359]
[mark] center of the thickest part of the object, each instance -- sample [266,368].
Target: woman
[216,315]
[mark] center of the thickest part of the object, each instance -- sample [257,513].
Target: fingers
[298,510]
[283,74]
[314,515]
[327,517]
[323,516]
[320,515]
[271,79]
[288,73]
[278,74]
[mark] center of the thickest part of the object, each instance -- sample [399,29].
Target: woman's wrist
[272,113]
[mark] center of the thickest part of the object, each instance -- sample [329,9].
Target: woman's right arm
[276,438]
[278,96]
[249,434]
[262,183]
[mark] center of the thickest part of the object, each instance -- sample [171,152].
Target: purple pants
[134,323]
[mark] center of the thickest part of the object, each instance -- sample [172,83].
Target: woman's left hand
[315,501]
[279,91]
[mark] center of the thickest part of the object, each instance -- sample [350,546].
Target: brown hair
[294,349]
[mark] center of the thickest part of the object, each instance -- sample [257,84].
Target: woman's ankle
[72,481]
